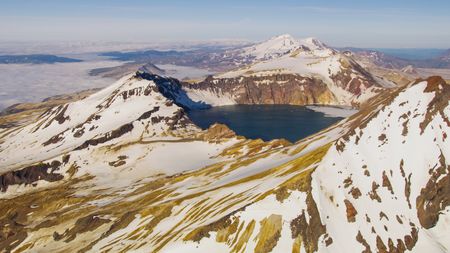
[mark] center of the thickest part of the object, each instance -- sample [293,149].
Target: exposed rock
[435,196]
[269,233]
[271,89]
[440,100]
[108,136]
[356,193]
[82,225]
[351,211]
[374,194]
[217,132]
[148,114]
[119,162]
[309,229]
[31,174]
[363,241]
[387,183]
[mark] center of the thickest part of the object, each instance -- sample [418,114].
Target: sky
[358,23]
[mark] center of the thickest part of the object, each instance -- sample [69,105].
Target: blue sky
[361,23]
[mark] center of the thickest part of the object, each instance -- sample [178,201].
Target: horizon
[349,23]
[218,41]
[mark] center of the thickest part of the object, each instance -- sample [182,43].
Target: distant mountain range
[35,59]
[391,59]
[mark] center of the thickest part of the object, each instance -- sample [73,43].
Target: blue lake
[267,122]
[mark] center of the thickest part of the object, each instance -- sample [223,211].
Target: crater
[266,122]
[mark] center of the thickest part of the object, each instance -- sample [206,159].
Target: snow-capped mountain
[307,67]
[108,114]
[125,170]
[282,45]
[271,48]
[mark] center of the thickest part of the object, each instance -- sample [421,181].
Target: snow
[190,156]
[119,112]
[210,97]
[284,44]
[274,47]
[381,157]
[333,111]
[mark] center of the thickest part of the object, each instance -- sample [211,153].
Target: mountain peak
[314,43]
[151,69]
[272,48]
[284,44]
[285,36]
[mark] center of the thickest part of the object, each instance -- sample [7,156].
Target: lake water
[267,122]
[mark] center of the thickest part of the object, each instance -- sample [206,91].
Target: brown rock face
[82,225]
[218,131]
[306,229]
[435,196]
[108,136]
[272,89]
[440,101]
[346,77]
[31,174]
[351,211]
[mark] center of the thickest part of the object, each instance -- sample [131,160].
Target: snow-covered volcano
[125,170]
[284,44]
[309,60]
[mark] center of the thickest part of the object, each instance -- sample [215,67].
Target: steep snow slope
[361,185]
[393,190]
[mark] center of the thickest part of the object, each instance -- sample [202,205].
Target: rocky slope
[125,170]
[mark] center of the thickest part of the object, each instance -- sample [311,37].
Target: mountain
[380,59]
[125,170]
[35,59]
[282,45]
[284,70]
[445,57]
[385,60]
[103,116]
